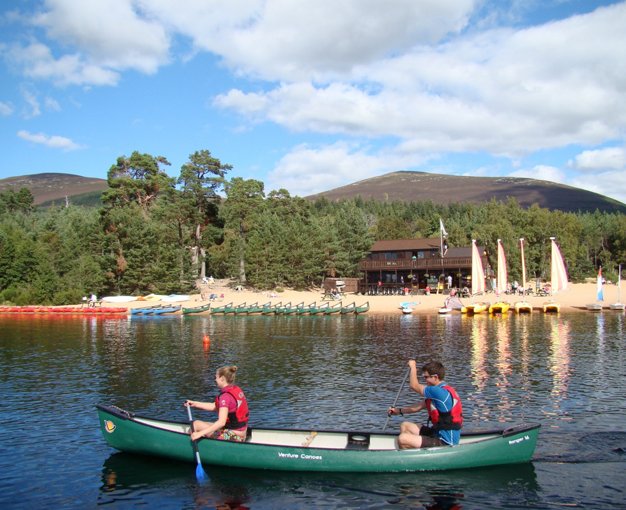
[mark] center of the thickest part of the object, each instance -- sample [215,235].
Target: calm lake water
[566,372]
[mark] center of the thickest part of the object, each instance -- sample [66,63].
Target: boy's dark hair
[434,367]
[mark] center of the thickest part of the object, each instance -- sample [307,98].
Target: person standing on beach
[231,406]
[443,404]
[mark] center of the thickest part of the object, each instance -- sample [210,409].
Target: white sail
[478,273]
[619,305]
[521,245]
[502,281]
[599,291]
[558,274]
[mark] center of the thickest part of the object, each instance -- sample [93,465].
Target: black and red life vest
[239,418]
[451,420]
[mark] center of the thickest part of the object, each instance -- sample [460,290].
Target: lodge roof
[396,245]
[406,245]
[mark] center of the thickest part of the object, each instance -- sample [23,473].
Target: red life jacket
[239,418]
[451,420]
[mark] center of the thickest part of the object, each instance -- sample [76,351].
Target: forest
[154,233]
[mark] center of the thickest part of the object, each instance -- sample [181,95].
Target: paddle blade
[201,475]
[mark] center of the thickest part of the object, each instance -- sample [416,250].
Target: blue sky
[309,95]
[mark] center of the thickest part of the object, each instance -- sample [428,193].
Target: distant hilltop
[446,189]
[51,187]
[402,186]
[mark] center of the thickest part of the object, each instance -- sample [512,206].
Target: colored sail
[501,282]
[558,274]
[478,274]
[521,243]
[599,293]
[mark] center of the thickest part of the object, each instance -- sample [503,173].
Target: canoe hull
[197,309]
[360,452]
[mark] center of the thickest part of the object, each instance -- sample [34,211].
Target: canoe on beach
[310,450]
[65,310]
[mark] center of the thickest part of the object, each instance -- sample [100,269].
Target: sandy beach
[575,298]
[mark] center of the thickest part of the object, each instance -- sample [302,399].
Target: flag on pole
[600,294]
[443,229]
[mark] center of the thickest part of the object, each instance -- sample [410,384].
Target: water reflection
[134,478]
[559,361]
[333,373]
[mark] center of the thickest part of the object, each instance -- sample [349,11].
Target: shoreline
[574,298]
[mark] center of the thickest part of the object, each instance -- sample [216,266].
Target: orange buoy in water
[206,340]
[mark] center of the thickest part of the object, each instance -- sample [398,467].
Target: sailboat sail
[478,274]
[501,283]
[619,305]
[599,293]
[521,242]
[558,275]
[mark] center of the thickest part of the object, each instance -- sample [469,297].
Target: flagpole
[521,242]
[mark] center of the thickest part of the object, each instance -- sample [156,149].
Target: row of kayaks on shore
[230,308]
[281,309]
[502,307]
[69,310]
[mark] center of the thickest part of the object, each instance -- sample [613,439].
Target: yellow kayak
[499,307]
[551,307]
[475,308]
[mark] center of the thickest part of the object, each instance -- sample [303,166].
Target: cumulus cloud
[609,183]
[610,158]
[334,165]
[309,39]
[113,34]
[6,109]
[542,172]
[38,62]
[54,141]
[103,38]
[508,92]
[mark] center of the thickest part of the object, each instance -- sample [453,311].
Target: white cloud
[507,92]
[34,108]
[93,43]
[6,109]
[611,184]
[330,166]
[309,39]
[610,158]
[112,34]
[543,173]
[54,141]
[37,62]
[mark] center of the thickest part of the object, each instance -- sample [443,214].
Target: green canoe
[333,309]
[362,308]
[221,309]
[307,450]
[290,310]
[272,309]
[197,309]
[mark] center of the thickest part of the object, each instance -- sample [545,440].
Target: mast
[521,243]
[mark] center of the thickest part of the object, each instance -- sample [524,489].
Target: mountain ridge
[402,186]
[443,189]
[50,186]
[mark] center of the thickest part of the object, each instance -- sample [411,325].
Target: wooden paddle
[200,473]
[406,376]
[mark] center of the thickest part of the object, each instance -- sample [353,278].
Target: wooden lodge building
[413,264]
